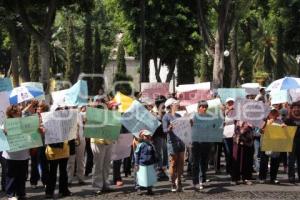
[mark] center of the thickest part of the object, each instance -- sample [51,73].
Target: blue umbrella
[24,93]
[285,83]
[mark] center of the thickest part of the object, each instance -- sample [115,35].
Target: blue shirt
[174,144]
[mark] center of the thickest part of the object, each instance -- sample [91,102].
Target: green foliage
[121,62]
[34,61]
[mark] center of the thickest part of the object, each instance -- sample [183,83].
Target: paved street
[218,188]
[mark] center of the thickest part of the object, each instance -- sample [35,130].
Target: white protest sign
[122,148]
[190,87]
[251,111]
[4,103]
[60,125]
[182,129]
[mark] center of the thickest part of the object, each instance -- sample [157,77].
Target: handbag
[55,153]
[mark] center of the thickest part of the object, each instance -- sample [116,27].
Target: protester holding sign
[200,151]
[79,151]
[175,145]
[16,164]
[273,119]
[101,149]
[57,155]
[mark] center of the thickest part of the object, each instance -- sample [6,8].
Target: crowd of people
[162,152]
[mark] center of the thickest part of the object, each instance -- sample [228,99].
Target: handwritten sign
[182,129]
[225,93]
[22,133]
[102,124]
[207,129]
[251,111]
[194,96]
[60,125]
[122,147]
[153,90]
[137,118]
[4,103]
[4,146]
[5,84]
[278,139]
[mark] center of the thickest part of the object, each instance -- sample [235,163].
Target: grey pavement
[218,188]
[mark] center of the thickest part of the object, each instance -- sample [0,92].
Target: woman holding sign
[16,164]
[174,144]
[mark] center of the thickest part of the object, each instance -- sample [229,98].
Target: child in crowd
[145,159]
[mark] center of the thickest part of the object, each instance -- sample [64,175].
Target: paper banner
[137,118]
[234,93]
[77,95]
[102,124]
[194,96]
[124,100]
[153,90]
[122,147]
[58,97]
[22,133]
[4,146]
[182,129]
[190,87]
[251,111]
[5,84]
[60,125]
[280,96]
[207,129]
[4,103]
[278,139]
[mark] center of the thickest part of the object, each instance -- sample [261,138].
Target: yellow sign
[278,139]
[124,100]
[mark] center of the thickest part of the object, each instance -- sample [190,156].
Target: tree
[97,62]
[70,52]
[121,62]
[34,61]
[185,69]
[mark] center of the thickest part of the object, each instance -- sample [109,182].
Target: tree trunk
[171,71]
[44,55]
[233,57]
[15,65]
[157,69]
[219,67]
[279,68]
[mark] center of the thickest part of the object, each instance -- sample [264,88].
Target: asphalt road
[218,188]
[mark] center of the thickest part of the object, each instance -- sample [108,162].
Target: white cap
[146,132]
[171,101]
[229,99]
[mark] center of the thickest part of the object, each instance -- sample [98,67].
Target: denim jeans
[257,154]
[200,161]
[3,168]
[228,142]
